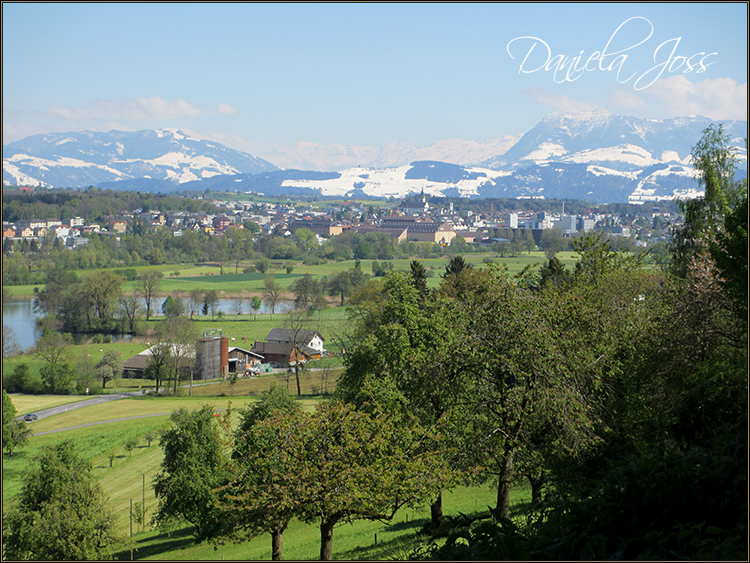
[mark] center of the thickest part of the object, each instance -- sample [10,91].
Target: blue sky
[254,74]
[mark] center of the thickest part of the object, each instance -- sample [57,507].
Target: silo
[209,358]
[224,360]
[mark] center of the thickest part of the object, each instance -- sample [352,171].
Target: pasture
[182,278]
[131,474]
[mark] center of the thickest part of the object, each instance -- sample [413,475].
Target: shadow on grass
[391,550]
[410,525]
[160,543]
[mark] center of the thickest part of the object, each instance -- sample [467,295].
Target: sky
[254,75]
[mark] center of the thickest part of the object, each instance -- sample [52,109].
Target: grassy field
[355,541]
[125,480]
[31,403]
[190,276]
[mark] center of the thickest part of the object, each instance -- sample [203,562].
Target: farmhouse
[309,341]
[283,353]
[210,358]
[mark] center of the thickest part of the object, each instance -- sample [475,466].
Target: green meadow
[130,475]
[183,278]
[100,431]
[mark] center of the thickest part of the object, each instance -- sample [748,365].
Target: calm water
[20,316]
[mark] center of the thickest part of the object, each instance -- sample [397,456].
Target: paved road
[44,413]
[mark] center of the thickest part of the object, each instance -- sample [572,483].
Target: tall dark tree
[419,279]
[715,163]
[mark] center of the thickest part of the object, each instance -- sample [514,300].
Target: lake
[20,316]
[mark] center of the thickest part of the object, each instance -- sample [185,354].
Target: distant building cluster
[413,219]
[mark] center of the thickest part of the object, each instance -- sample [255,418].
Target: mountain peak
[578,115]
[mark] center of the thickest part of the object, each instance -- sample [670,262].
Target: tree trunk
[326,539]
[296,374]
[276,545]
[536,488]
[503,487]
[436,511]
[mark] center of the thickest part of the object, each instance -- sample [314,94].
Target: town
[413,219]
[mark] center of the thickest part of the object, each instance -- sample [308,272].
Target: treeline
[92,204]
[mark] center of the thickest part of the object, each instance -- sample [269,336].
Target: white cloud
[226,109]
[562,103]
[627,100]
[721,98]
[129,108]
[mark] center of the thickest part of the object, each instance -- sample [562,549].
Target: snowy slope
[86,158]
[396,182]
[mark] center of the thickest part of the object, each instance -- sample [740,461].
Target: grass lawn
[31,403]
[355,541]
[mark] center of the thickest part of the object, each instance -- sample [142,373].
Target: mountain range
[592,155]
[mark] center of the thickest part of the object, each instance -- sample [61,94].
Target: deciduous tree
[61,514]
[194,464]
[272,292]
[149,283]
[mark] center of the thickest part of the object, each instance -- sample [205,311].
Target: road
[44,413]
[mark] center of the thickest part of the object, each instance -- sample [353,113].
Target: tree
[130,307]
[172,307]
[295,321]
[239,302]
[109,368]
[340,284]
[715,164]
[61,513]
[406,359]
[58,379]
[419,279]
[252,226]
[306,240]
[150,436]
[17,436]
[161,364]
[194,464]
[52,346]
[131,444]
[333,465]
[263,265]
[19,381]
[103,289]
[272,291]
[210,303]
[15,432]
[10,344]
[194,301]
[255,305]
[552,242]
[306,291]
[149,283]
[729,252]
[264,514]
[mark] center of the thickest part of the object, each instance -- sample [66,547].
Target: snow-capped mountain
[597,152]
[616,141]
[591,155]
[314,156]
[90,158]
